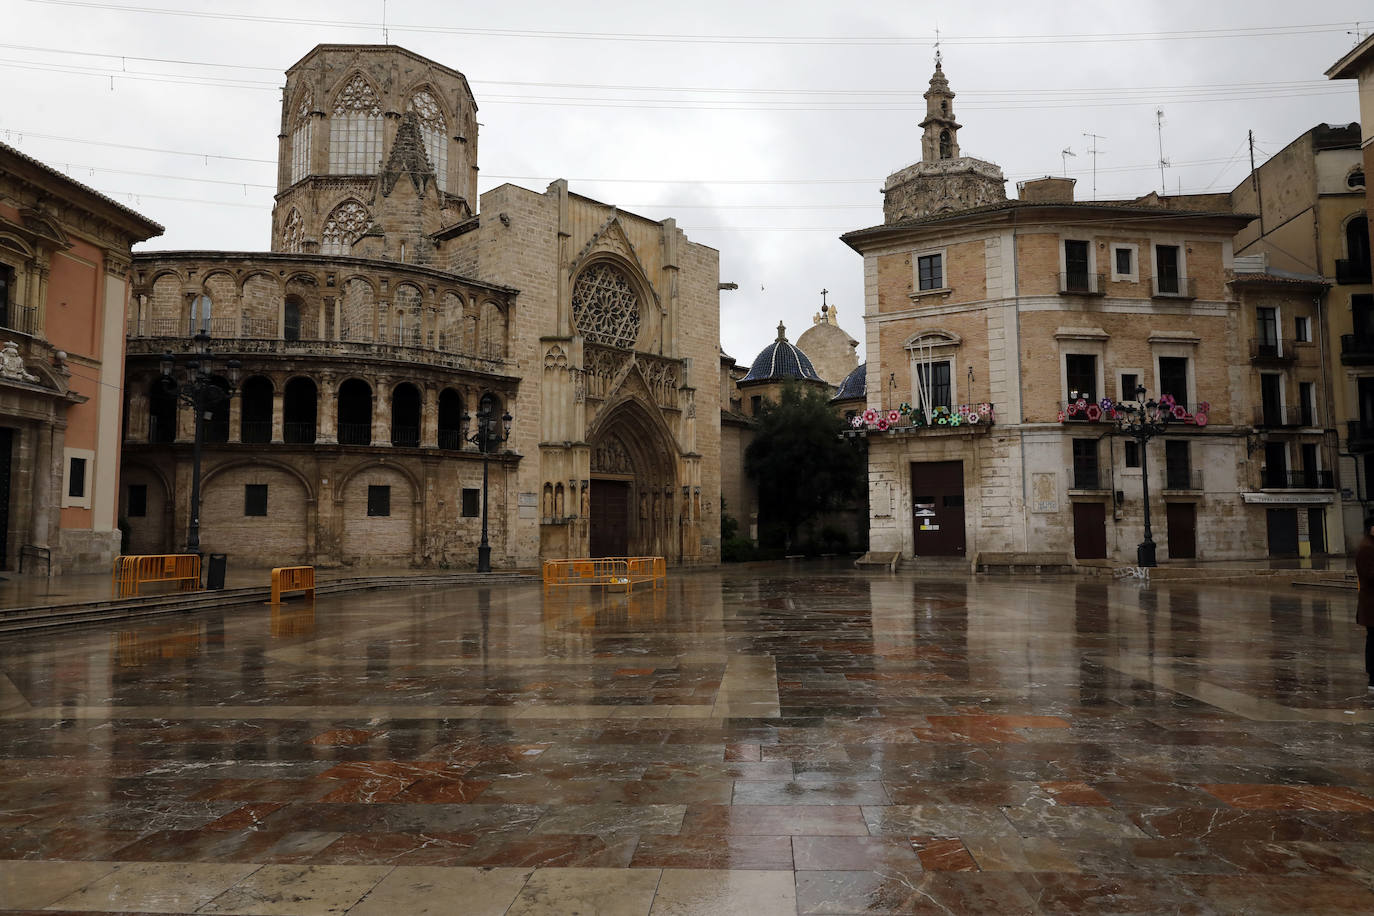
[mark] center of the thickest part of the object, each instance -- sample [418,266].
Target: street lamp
[198,389]
[1142,421]
[486,438]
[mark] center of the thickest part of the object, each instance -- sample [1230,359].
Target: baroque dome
[781,360]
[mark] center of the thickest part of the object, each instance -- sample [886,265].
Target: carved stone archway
[633,505]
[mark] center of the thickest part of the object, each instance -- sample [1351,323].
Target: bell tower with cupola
[944,180]
[941,138]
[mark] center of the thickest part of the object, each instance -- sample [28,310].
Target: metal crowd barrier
[132,571]
[293,579]
[608,572]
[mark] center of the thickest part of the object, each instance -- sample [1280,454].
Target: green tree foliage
[800,461]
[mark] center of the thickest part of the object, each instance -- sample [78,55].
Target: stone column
[278,414]
[429,418]
[236,418]
[326,413]
[381,415]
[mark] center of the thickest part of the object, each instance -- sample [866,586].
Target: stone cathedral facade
[393,308]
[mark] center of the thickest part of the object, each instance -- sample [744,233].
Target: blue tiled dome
[780,360]
[855,385]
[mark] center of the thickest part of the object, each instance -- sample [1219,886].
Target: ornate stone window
[349,220]
[300,139]
[434,130]
[355,130]
[605,307]
[293,232]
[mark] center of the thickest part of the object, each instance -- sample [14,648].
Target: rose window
[605,307]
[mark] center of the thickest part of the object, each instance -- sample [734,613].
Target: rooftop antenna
[386,37]
[1159,128]
[1093,152]
[1359,35]
[1064,155]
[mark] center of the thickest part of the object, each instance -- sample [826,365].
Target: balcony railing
[1359,436]
[1082,284]
[405,436]
[1272,416]
[451,439]
[1087,478]
[1168,287]
[1357,349]
[1305,479]
[1351,271]
[298,433]
[355,433]
[162,433]
[256,431]
[1176,478]
[215,430]
[19,319]
[1272,351]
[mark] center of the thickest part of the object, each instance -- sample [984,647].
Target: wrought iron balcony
[19,319]
[1272,351]
[1351,271]
[1357,349]
[256,431]
[1074,283]
[1171,287]
[1272,416]
[298,433]
[1359,436]
[355,434]
[405,436]
[1088,478]
[1305,479]
[1182,478]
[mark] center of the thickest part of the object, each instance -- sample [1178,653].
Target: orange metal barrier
[293,579]
[610,572]
[132,571]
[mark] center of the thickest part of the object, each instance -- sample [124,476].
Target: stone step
[25,619]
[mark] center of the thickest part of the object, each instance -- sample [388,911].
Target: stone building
[64,287]
[394,309]
[1303,281]
[988,319]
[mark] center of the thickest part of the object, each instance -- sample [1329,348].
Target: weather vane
[937,47]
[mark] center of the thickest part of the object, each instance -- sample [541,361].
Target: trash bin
[214,575]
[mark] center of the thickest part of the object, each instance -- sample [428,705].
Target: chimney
[1047,190]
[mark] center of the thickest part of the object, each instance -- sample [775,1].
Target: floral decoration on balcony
[1081,408]
[907,417]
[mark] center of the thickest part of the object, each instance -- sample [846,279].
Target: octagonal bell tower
[377,151]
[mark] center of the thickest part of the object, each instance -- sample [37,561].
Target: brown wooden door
[937,508]
[1182,523]
[1090,531]
[610,511]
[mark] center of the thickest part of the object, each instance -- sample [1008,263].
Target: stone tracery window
[434,131]
[605,307]
[293,232]
[355,130]
[343,227]
[300,139]
[408,316]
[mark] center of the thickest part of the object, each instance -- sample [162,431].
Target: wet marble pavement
[790,739]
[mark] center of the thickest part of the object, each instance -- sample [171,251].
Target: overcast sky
[765,128]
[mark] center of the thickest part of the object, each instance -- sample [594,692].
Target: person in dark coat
[1364,613]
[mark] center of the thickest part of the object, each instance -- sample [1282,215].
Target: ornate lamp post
[197,388]
[487,437]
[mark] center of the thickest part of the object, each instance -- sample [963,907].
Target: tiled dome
[780,360]
[854,386]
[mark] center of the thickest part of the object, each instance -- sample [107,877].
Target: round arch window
[605,306]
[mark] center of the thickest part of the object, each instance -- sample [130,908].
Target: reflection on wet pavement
[789,739]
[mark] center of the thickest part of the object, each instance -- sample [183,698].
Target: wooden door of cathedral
[610,521]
